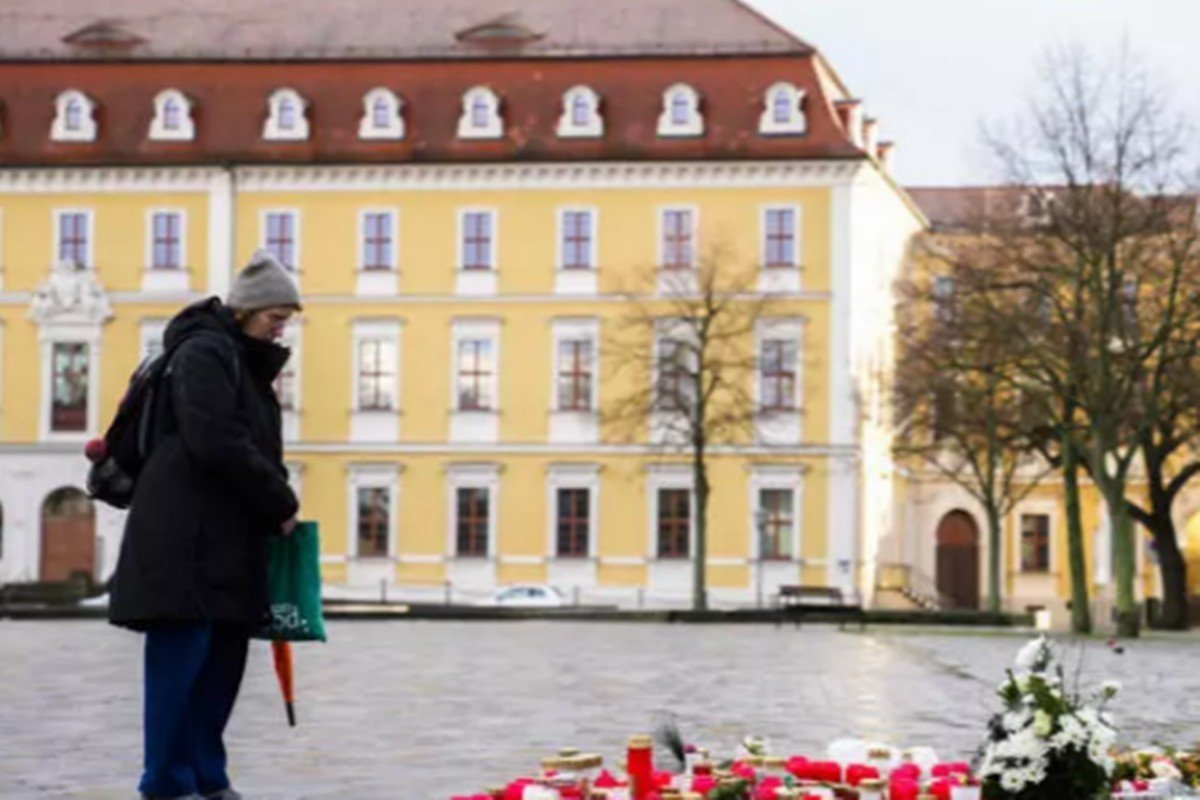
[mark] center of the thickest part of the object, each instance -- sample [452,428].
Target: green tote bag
[294,575]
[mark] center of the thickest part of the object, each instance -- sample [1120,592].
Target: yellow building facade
[444,406]
[944,528]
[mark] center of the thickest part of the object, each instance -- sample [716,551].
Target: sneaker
[225,794]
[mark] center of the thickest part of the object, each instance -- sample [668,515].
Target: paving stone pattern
[418,711]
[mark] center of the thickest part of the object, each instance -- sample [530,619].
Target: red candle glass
[640,765]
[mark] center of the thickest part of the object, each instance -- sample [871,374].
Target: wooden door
[68,536]
[958,560]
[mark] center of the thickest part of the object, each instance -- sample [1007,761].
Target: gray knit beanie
[262,284]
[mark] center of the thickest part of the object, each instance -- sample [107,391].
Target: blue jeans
[192,676]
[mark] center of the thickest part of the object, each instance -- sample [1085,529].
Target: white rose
[1030,655]
[1011,781]
[1042,724]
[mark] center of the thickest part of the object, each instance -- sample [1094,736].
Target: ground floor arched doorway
[958,559]
[68,536]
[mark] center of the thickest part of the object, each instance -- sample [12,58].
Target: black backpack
[118,458]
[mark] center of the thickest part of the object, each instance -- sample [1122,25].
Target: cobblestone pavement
[417,711]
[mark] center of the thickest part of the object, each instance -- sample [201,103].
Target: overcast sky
[932,70]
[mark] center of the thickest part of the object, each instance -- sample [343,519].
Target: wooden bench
[795,601]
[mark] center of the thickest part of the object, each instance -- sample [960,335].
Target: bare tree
[686,356]
[1103,157]
[957,411]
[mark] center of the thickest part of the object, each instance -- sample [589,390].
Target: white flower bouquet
[1047,744]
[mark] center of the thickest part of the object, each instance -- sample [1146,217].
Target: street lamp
[761,517]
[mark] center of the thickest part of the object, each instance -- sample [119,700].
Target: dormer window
[581,114]
[381,115]
[286,120]
[681,112]
[172,117]
[480,115]
[74,119]
[783,112]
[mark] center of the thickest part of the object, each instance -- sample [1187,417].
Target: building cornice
[434,177]
[573,174]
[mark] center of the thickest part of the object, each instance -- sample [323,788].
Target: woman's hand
[289,526]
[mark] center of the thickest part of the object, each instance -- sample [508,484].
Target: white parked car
[527,596]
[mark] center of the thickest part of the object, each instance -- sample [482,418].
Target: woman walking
[192,569]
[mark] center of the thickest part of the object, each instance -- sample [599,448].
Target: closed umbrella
[281,654]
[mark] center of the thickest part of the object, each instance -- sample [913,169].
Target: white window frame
[378,282]
[90,216]
[149,331]
[494,129]
[159,132]
[576,281]
[796,123]
[293,339]
[570,426]
[51,335]
[263,215]
[693,126]
[783,427]
[781,279]
[394,129]
[373,476]
[472,476]
[669,476]
[593,128]
[777,476]
[475,425]
[375,425]
[573,476]
[664,426]
[478,282]
[662,232]
[166,280]
[677,280]
[272,131]
[59,131]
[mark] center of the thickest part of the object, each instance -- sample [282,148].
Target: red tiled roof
[381,29]
[230,104]
[964,207]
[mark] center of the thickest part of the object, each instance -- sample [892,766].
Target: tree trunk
[1124,560]
[994,557]
[1081,616]
[699,577]
[1173,569]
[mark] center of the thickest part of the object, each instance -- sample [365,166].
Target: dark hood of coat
[263,359]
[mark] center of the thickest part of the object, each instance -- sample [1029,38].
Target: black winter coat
[214,486]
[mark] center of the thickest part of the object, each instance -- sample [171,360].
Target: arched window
[381,117]
[681,112]
[783,112]
[480,115]
[74,119]
[581,114]
[286,120]
[172,117]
